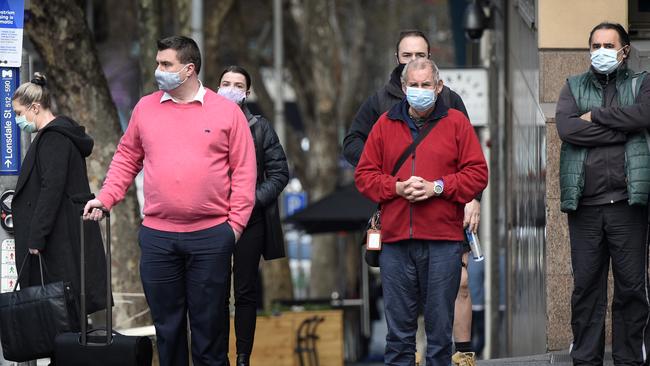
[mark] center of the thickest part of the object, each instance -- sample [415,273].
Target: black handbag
[273,235]
[372,256]
[32,317]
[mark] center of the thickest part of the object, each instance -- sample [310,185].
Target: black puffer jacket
[376,105]
[274,174]
[272,177]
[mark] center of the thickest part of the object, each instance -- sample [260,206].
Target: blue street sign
[12,16]
[10,141]
[294,202]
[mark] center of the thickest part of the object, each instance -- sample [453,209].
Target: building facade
[533,47]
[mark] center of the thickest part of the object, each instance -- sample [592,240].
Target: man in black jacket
[413,44]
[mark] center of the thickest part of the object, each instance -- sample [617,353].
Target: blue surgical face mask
[233,94]
[420,99]
[605,60]
[169,80]
[23,124]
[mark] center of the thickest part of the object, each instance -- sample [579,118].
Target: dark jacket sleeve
[457,102]
[577,131]
[52,161]
[363,121]
[631,118]
[276,170]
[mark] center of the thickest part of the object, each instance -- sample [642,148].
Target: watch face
[437,188]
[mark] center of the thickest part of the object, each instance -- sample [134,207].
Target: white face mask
[169,80]
[420,99]
[233,94]
[605,60]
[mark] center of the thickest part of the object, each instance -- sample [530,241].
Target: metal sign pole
[13,146]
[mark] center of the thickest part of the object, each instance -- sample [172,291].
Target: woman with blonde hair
[46,216]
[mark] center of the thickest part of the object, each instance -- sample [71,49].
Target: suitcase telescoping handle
[109,309]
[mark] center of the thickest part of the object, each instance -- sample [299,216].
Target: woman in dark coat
[46,218]
[263,234]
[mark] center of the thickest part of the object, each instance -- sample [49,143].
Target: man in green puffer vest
[602,117]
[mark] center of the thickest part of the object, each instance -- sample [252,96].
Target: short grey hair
[419,64]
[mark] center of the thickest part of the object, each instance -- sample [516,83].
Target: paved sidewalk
[554,358]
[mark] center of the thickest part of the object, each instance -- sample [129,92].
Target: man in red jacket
[414,44]
[421,211]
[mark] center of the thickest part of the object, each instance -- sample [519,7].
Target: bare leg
[463,307]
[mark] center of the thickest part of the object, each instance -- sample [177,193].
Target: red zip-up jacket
[450,152]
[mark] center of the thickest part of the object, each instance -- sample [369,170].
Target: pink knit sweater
[198,159]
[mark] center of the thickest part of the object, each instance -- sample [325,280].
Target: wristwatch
[438,187]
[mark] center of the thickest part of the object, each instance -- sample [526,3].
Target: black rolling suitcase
[99,347]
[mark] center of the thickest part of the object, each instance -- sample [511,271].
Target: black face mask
[400,68]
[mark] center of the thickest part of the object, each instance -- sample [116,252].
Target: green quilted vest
[588,94]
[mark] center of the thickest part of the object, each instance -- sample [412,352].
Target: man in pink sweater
[199,186]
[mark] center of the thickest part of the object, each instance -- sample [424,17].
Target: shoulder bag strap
[409,150]
[402,158]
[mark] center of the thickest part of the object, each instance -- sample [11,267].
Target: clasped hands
[415,189]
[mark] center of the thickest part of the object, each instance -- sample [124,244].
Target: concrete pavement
[561,358]
[553,358]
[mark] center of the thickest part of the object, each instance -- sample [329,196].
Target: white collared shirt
[198,97]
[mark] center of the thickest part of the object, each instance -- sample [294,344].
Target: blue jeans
[187,275]
[420,274]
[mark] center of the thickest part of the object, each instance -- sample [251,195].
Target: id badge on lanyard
[373,241]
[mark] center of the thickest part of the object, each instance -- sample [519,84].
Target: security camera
[474,21]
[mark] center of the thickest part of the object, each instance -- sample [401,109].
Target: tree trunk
[324,77]
[59,33]
[276,275]
[276,281]
[253,58]
[149,32]
[183,16]
[324,42]
[214,15]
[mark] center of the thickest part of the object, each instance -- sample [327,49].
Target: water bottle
[474,245]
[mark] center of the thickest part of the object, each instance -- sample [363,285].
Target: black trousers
[246,261]
[598,234]
[185,275]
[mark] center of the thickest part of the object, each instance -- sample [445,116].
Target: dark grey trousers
[599,234]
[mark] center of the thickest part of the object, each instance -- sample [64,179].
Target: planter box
[275,339]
